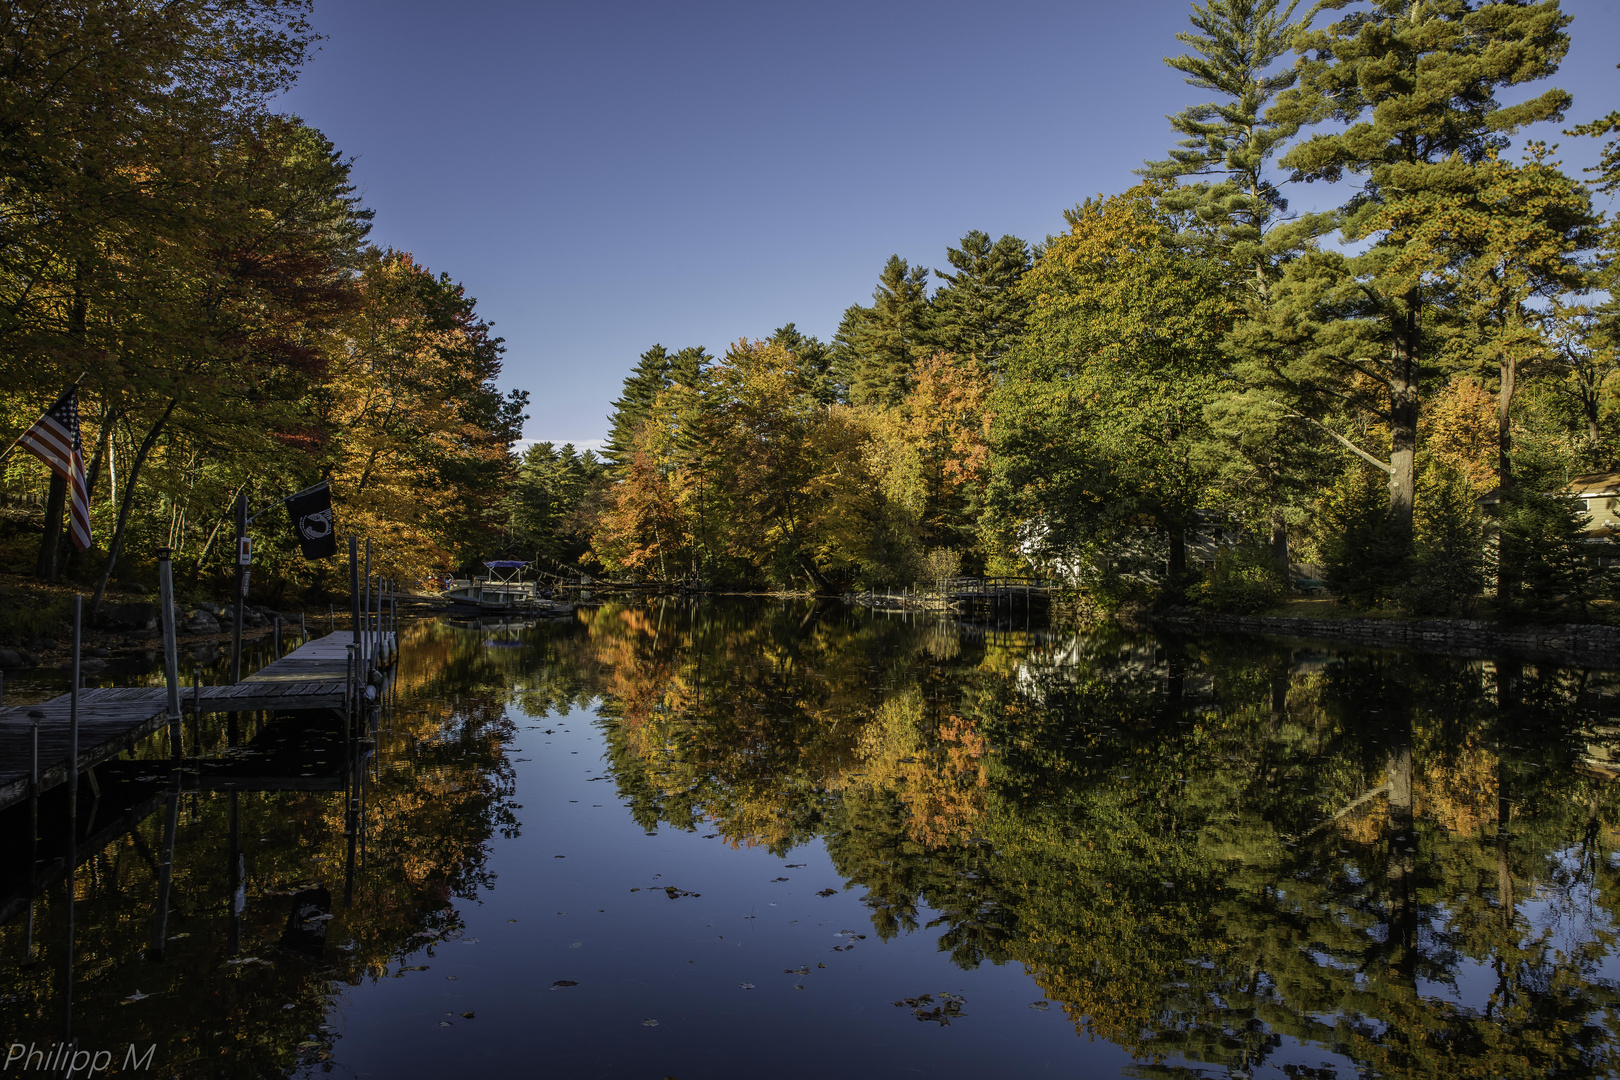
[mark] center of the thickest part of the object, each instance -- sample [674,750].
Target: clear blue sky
[604,175]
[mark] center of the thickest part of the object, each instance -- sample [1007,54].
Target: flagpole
[263,510]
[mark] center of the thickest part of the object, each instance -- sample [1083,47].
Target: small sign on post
[244,550]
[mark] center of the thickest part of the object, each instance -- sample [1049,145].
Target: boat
[502,590]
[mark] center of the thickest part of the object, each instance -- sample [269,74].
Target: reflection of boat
[504,588]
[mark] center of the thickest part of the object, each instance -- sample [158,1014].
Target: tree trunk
[55,499]
[1279,540]
[814,571]
[128,501]
[1506,558]
[1403,419]
[1177,569]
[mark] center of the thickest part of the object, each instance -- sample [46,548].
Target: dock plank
[113,719]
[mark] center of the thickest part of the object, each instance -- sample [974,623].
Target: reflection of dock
[112,720]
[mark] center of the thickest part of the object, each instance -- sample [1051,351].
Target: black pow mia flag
[312,523]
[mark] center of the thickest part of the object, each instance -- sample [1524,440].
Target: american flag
[54,439]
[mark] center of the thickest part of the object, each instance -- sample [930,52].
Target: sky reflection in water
[743,839]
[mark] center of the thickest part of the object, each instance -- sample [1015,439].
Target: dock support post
[240,592]
[171,654]
[34,717]
[73,723]
[303,629]
[354,587]
[275,640]
[365,614]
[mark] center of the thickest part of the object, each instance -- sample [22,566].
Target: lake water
[738,840]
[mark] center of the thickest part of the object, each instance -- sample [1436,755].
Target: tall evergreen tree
[979,311]
[1237,203]
[657,370]
[876,346]
[1414,83]
[817,361]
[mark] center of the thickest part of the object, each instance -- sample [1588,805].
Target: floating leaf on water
[827,892]
[795,866]
[415,967]
[710,836]
[444,1023]
[635,890]
[469,941]
[136,996]
[308,1045]
[1041,1006]
[467,1015]
[821,965]
[747,986]
[452,978]
[778,879]
[649,1023]
[563,984]
[575,944]
[288,1006]
[451,935]
[562,856]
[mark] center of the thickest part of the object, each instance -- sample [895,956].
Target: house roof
[1598,483]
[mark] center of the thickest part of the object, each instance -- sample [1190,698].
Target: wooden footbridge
[316,676]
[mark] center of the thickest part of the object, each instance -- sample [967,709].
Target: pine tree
[876,346]
[657,370]
[1414,83]
[979,312]
[1242,217]
[1231,141]
[817,361]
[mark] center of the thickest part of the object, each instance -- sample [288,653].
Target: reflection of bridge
[986,596]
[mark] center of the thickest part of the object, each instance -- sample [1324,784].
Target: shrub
[1448,562]
[1245,579]
[1364,558]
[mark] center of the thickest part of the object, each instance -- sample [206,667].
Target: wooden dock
[114,719]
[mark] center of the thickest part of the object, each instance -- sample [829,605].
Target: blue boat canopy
[505,564]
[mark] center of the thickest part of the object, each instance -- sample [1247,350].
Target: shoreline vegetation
[1202,380]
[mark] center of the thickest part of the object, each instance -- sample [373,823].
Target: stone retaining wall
[1583,643]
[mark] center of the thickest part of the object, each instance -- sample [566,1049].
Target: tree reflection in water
[1197,846]
[1204,849]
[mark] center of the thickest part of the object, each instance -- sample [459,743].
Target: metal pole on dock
[240,597]
[303,629]
[331,615]
[354,588]
[365,610]
[73,717]
[275,641]
[166,598]
[34,717]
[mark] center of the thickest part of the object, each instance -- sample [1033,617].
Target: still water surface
[735,840]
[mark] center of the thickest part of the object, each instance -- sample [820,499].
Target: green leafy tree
[1102,403]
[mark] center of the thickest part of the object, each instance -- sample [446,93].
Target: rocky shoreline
[1584,643]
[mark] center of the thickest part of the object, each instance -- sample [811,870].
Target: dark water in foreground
[738,841]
